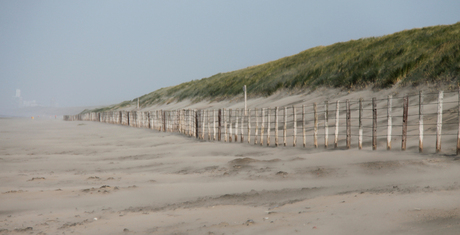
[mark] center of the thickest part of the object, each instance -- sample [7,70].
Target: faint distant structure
[17,98]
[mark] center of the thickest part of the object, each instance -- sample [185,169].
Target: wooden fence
[374,123]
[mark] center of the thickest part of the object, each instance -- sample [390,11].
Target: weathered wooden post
[315,132]
[257,127]
[336,133]
[230,130]
[348,116]
[268,127]
[326,120]
[458,116]
[276,126]
[203,124]
[214,124]
[285,126]
[262,128]
[374,124]
[196,125]
[225,126]
[189,122]
[245,101]
[420,121]
[249,127]
[304,137]
[237,114]
[439,122]
[219,120]
[294,117]
[389,120]
[164,121]
[404,125]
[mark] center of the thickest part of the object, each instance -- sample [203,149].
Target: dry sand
[60,177]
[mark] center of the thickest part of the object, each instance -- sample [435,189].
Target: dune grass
[410,57]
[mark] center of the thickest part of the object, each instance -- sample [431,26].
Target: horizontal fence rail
[365,122]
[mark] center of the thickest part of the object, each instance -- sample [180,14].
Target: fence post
[360,124]
[348,116]
[304,137]
[196,124]
[374,124]
[458,116]
[230,130]
[336,133]
[268,127]
[389,120]
[225,126]
[315,132]
[203,124]
[219,120]
[262,127]
[209,125]
[276,126]
[439,122]
[257,127]
[326,120]
[285,126]
[420,121]
[164,121]
[214,124]
[294,140]
[404,125]
[237,114]
[249,127]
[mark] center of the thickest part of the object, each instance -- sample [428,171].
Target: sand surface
[60,177]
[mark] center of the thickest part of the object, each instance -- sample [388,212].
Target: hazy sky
[102,52]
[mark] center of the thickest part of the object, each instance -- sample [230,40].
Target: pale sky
[84,53]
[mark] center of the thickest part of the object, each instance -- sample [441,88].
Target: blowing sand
[60,177]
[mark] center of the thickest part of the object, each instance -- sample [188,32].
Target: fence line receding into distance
[374,122]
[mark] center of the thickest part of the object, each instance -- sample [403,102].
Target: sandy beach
[60,177]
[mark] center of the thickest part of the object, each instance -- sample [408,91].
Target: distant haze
[86,53]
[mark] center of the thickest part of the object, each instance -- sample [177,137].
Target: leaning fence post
[348,116]
[326,120]
[389,120]
[374,124]
[315,132]
[439,122]
[420,121]
[404,126]
[336,133]
[294,117]
[276,126]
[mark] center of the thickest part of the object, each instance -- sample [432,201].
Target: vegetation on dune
[409,57]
